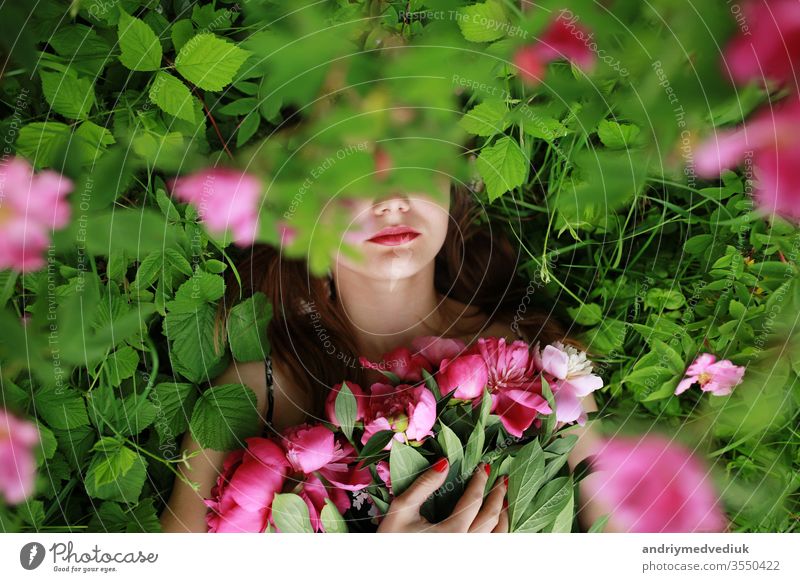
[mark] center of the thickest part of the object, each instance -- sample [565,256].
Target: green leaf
[375,446]
[290,514]
[451,445]
[41,142]
[483,22]
[224,416]
[617,135]
[67,94]
[181,32]
[502,166]
[599,524]
[121,365]
[563,521]
[175,402]
[247,128]
[332,520]
[192,354]
[346,409]
[113,461]
[487,118]
[141,49]
[586,314]
[405,465]
[116,473]
[172,96]
[547,505]
[210,62]
[61,407]
[247,328]
[525,476]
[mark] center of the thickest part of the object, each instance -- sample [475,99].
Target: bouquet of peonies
[495,402]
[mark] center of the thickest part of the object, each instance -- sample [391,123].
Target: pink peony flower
[314,493]
[719,378]
[435,349]
[770,50]
[225,199]
[651,485]
[771,137]
[330,402]
[315,448]
[400,361]
[240,500]
[17,460]
[466,376]
[514,383]
[309,448]
[31,206]
[409,411]
[385,474]
[571,379]
[562,39]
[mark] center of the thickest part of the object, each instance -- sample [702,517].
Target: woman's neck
[386,314]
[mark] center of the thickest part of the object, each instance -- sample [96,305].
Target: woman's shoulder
[289,403]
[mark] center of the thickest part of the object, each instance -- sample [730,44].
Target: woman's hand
[472,513]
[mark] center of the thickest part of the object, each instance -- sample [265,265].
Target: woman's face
[398,235]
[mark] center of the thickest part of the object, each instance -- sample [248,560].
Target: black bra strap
[270,395]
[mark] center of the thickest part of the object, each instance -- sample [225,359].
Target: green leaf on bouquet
[373,450]
[451,445]
[405,465]
[477,439]
[346,408]
[224,416]
[600,524]
[431,384]
[546,506]
[525,477]
[290,513]
[564,519]
[332,520]
[550,419]
[562,445]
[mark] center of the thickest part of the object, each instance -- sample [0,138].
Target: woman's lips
[394,235]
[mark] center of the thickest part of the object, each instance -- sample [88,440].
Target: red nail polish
[505,503]
[488,468]
[441,465]
[505,480]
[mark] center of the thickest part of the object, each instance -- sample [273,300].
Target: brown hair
[476,265]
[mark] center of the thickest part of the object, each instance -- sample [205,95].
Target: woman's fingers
[502,523]
[489,515]
[471,500]
[423,487]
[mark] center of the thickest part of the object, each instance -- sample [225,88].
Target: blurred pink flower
[562,39]
[770,50]
[17,461]
[514,383]
[31,207]
[572,379]
[409,411]
[225,198]
[719,378]
[241,499]
[772,139]
[650,485]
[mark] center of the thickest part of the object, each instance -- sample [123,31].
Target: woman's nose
[390,205]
